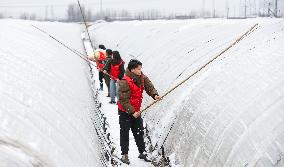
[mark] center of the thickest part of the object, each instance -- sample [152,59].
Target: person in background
[116,68]
[99,57]
[106,75]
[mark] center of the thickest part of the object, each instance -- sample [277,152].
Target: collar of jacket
[136,78]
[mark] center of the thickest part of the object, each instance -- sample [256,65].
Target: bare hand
[158,97]
[136,114]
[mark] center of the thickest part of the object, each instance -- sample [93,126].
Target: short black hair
[109,51]
[133,63]
[102,47]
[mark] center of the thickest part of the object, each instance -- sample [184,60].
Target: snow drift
[230,113]
[46,98]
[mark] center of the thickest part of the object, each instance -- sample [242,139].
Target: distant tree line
[73,14]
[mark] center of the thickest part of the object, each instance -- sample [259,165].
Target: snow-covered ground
[229,114]
[46,101]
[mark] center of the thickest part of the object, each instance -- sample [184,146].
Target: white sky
[16,7]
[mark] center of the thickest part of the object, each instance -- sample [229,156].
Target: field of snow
[46,101]
[230,113]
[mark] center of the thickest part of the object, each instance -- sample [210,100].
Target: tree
[33,16]
[24,16]
[89,15]
[74,13]
[71,12]
[78,15]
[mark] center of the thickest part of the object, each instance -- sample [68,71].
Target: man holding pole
[99,57]
[130,98]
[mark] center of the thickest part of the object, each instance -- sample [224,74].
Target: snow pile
[46,99]
[230,113]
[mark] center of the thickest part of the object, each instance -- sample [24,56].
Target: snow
[230,113]
[46,99]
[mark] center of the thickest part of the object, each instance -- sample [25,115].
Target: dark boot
[125,159]
[144,157]
[112,102]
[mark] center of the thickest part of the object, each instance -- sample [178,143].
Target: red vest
[114,70]
[135,96]
[101,58]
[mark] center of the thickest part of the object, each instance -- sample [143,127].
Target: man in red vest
[100,56]
[130,98]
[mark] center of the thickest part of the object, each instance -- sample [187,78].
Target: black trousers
[128,122]
[101,76]
[107,81]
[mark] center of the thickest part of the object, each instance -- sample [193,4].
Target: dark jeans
[128,122]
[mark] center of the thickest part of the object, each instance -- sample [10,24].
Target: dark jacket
[125,92]
[107,64]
